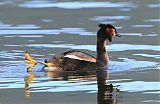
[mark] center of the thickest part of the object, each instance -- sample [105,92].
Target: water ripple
[154,5]
[75,4]
[151,101]
[112,47]
[152,20]
[22,26]
[137,86]
[80,31]
[98,18]
[148,55]
[146,26]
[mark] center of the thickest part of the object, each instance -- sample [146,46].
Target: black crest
[102,31]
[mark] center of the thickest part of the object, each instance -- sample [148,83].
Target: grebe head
[107,32]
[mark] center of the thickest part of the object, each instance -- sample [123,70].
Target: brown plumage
[76,60]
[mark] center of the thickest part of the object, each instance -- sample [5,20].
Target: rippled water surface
[50,27]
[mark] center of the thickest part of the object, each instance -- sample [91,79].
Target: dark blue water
[47,27]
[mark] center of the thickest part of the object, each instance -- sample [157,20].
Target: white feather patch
[78,58]
[73,57]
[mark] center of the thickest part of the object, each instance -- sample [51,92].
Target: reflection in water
[44,30]
[28,80]
[71,75]
[106,93]
[57,76]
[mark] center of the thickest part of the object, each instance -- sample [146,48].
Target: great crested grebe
[76,60]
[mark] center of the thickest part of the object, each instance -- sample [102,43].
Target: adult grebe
[76,60]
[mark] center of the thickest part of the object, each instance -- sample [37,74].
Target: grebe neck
[102,56]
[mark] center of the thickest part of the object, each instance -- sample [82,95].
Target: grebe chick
[76,60]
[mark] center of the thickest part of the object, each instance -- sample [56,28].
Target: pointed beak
[117,34]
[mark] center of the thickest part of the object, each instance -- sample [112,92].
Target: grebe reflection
[106,92]
[28,80]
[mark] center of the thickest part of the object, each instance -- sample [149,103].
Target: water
[46,27]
